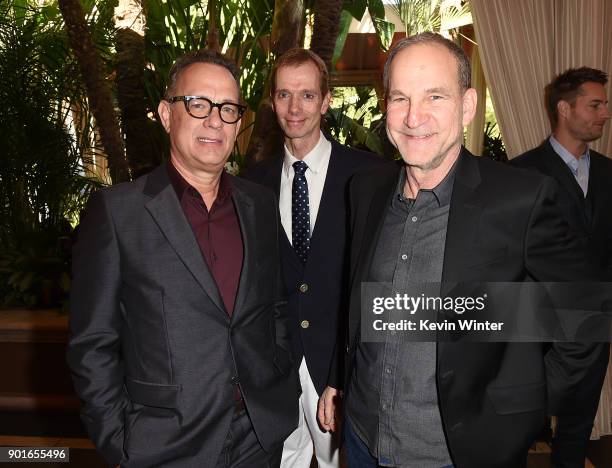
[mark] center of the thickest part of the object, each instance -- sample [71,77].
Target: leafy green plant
[175,28]
[35,271]
[356,120]
[427,15]
[493,144]
[43,185]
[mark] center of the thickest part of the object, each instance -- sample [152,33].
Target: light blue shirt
[579,166]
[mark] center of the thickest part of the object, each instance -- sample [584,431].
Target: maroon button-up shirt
[217,232]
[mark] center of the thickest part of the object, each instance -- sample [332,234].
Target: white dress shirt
[317,161]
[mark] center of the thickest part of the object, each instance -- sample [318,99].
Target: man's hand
[329,409]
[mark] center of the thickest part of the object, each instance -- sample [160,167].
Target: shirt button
[414,219]
[303,288]
[304,323]
[388,370]
[384,407]
[404,257]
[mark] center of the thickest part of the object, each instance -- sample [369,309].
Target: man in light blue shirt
[577,106]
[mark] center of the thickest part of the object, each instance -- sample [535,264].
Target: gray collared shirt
[392,399]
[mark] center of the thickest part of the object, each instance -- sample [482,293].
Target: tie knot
[300,167]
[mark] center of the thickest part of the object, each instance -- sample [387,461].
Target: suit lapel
[556,168]
[245,210]
[330,203]
[166,210]
[463,221]
[463,217]
[379,205]
[365,234]
[594,201]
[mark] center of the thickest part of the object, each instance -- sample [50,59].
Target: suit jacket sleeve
[93,350]
[563,259]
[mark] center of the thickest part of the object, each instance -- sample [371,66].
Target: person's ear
[326,102]
[163,109]
[470,99]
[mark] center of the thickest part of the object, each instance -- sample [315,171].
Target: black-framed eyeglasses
[200,107]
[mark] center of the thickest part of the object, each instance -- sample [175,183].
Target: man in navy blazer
[313,262]
[179,346]
[578,110]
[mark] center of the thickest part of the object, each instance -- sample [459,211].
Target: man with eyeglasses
[179,347]
[310,177]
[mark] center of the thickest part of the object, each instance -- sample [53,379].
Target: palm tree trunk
[98,90]
[142,154]
[287,25]
[212,38]
[287,32]
[326,29]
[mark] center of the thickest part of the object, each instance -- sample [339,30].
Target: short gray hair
[464,70]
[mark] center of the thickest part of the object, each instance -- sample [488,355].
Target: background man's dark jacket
[589,218]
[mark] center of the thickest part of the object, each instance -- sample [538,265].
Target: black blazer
[590,218]
[154,355]
[321,300]
[493,397]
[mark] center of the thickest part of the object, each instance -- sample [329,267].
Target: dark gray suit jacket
[154,355]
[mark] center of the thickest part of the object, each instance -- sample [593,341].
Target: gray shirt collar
[442,191]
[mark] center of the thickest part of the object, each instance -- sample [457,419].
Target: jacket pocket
[153,394]
[518,398]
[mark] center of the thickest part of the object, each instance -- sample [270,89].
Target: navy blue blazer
[316,291]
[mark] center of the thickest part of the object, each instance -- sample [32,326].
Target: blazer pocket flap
[153,394]
[518,398]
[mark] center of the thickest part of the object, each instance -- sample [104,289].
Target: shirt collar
[314,159]
[568,158]
[442,192]
[181,185]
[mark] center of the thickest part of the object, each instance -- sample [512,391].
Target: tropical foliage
[427,15]
[357,119]
[493,146]
[80,97]
[42,169]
